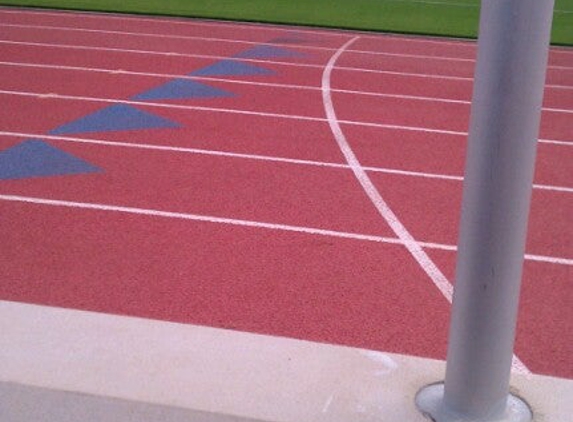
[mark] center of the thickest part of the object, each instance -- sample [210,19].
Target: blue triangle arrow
[35,158]
[182,89]
[115,117]
[232,68]
[268,51]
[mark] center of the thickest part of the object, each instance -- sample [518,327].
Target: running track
[315,196]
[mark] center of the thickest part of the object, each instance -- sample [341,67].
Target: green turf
[457,18]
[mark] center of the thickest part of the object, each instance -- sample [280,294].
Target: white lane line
[555,142]
[219,153]
[252,83]
[251,224]
[247,113]
[237,41]
[272,62]
[553,188]
[197,217]
[547,259]
[557,110]
[415,249]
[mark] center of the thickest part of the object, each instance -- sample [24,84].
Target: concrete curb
[65,365]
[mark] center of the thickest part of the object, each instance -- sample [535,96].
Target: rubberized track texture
[285,181]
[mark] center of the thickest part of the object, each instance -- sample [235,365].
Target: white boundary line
[254,83]
[248,113]
[280,63]
[252,224]
[415,249]
[237,41]
[254,157]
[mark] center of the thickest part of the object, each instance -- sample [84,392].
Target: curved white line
[415,249]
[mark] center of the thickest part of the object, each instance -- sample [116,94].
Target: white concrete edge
[68,365]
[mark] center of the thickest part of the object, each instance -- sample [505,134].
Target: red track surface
[270,280]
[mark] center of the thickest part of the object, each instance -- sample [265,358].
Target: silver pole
[513,47]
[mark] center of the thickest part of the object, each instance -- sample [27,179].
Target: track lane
[396,83]
[122,87]
[433,64]
[446,116]
[301,77]
[439,47]
[427,152]
[218,186]
[152,43]
[443,154]
[170,26]
[367,109]
[431,209]
[240,133]
[437,66]
[315,289]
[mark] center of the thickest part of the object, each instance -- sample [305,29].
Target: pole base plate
[429,401]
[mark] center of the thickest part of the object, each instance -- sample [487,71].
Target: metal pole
[504,125]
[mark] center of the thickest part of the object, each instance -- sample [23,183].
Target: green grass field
[457,18]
